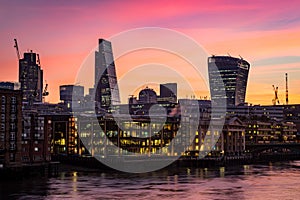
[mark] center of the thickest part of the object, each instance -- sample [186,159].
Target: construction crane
[45,92]
[17,49]
[275,100]
[286,90]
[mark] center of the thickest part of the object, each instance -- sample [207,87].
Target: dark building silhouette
[168,92]
[147,95]
[231,74]
[31,78]
[107,91]
[10,85]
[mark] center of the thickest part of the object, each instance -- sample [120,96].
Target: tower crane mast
[17,49]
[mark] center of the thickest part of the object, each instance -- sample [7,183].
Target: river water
[271,181]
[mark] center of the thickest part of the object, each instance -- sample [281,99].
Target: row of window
[13,108]
[13,100]
[12,127]
[12,117]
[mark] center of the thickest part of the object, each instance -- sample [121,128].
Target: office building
[71,95]
[31,78]
[106,86]
[228,78]
[64,135]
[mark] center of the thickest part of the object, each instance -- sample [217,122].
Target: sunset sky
[265,33]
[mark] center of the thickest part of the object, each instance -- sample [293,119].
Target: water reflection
[279,181]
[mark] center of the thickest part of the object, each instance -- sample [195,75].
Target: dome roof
[147,91]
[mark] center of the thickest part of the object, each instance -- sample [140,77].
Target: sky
[265,33]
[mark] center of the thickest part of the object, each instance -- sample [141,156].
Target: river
[272,181]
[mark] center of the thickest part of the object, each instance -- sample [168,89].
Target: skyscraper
[234,74]
[107,91]
[31,78]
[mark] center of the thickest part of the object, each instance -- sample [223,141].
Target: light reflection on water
[273,181]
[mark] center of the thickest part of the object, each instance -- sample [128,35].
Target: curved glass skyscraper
[233,72]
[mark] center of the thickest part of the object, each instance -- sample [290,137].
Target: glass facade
[107,91]
[104,137]
[233,73]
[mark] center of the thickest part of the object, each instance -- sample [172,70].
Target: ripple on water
[277,180]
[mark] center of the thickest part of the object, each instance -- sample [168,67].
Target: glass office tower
[233,73]
[107,91]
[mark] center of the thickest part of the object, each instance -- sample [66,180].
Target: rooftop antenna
[286,90]
[228,54]
[241,57]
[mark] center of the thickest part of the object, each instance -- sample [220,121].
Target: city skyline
[267,39]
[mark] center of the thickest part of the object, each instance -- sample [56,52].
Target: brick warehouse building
[10,127]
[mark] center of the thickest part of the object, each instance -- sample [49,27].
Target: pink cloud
[63,33]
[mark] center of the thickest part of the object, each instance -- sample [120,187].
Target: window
[12,157]
[12,137]
[36,149]
[2,127]
[12,127]
[13,108]
[13,117]
[3,117]
[3,100]
[13,100]
[3,108]
[12,146]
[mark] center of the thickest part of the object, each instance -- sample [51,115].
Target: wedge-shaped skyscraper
[106,85]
